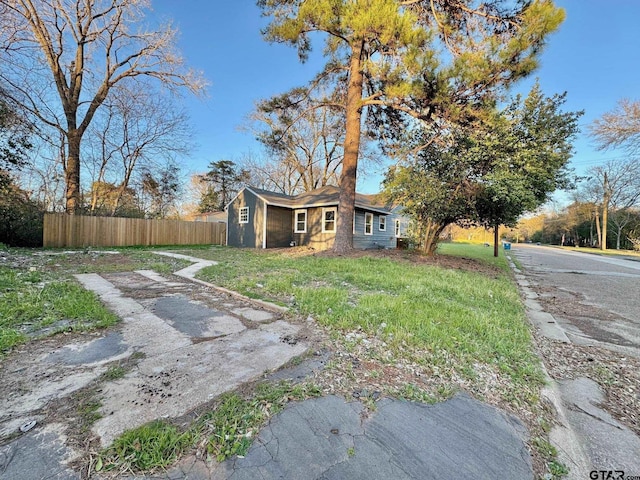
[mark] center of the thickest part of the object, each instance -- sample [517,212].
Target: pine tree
[425,59]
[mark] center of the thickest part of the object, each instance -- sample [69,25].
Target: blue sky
[595,57]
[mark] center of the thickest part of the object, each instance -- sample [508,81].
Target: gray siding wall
[378,239]
[405,222]
[404,225]
[314,237]
[279,226]
[245,234]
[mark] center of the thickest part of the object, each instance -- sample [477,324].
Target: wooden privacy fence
[62,230]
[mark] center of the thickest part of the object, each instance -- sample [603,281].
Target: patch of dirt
[29,383]
[77,261]
[19,260]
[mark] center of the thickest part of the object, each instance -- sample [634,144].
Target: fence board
[61,230]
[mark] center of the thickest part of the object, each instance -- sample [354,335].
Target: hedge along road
[595,298]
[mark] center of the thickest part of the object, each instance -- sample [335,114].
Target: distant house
[262,219]
[211,217]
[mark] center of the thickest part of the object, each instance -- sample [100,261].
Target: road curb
[544,321]
[563,437]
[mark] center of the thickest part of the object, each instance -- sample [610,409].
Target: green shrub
[21,219]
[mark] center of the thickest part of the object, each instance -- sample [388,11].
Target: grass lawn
[445,318]
[475,251]
[449,319]
[32,301]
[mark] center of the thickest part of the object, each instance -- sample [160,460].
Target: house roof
[321,197]
[209,214]
[220,216]
[272,197]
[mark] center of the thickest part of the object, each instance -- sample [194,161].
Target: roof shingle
[323,196]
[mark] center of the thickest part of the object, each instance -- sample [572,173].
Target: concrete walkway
[193,353]
[192,343]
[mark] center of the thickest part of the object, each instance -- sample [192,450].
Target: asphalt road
[595,298]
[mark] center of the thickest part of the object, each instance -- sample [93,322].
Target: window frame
[241,214]
[397,228]
[295,220]
[382,223]
[370,224]
[324,219]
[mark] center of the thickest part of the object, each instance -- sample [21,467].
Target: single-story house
[211,217]
[259,218]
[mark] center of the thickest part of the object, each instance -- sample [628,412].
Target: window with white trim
[244,215]
[300,221]
[382,223]
[397,227]
[368,223]
[329,220]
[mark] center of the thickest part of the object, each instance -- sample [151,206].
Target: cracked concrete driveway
[191,343]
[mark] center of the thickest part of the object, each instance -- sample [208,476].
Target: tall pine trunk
[344,229]
[495,240]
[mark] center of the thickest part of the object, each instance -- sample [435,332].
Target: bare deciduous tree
[136,130]
[271,174]
[80,50]
[619,128]
[305,139]
[614,185]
